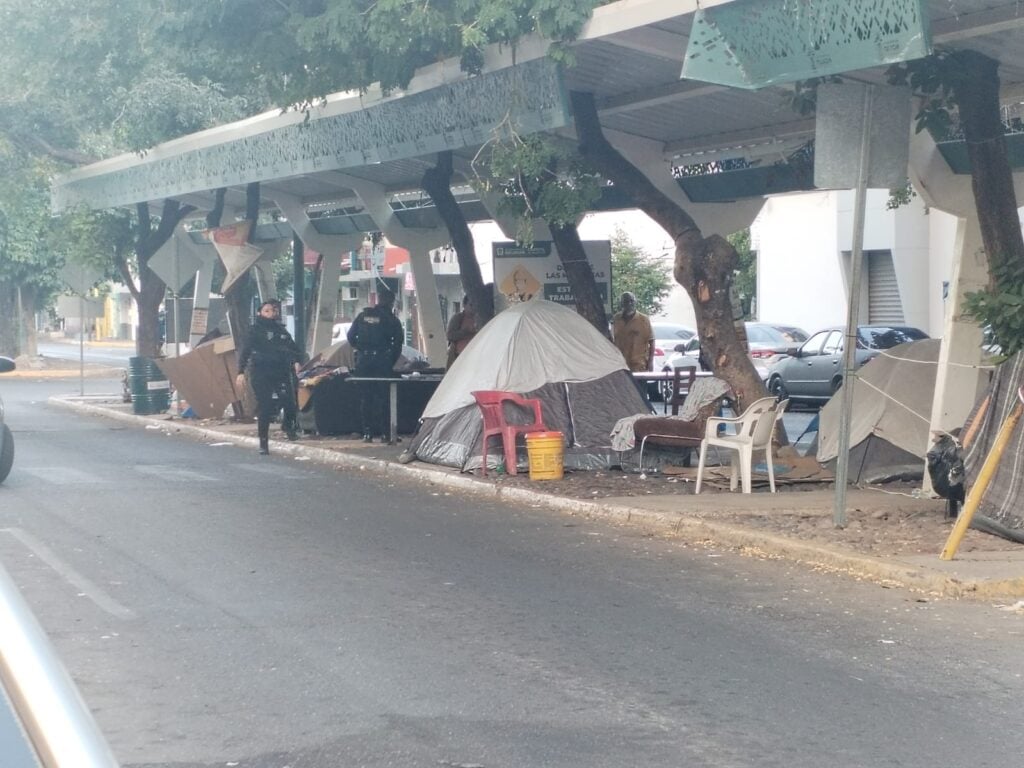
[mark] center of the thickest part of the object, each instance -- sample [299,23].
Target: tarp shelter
[542,350]
[890,421]
[1000,510]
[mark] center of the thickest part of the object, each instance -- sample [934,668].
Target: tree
[967,83]
[89,79]
[636,271]
[704,266]
[541,180]
[304,51]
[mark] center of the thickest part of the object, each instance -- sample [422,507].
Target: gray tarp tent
[538,349]
[890,422]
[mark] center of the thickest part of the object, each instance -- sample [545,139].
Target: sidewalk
[891,538]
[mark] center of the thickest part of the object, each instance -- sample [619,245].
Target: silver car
[815,372]
[6,438]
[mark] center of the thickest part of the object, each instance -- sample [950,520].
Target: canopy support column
[419,243]
[325,302]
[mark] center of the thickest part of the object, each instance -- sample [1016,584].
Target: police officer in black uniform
[376,338]
[270,354]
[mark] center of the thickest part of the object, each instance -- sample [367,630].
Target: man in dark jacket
[376,339]
[270,354]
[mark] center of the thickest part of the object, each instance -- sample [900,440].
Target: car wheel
[6,452]
[777,388]
[836,384]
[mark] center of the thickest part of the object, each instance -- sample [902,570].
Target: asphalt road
[218,608]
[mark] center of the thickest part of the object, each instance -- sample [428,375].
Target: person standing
[272,358]
[461,329]
[633,335]
[376,338]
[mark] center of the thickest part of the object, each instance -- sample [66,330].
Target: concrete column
[325,302]
[960,351]
[711,218]
[419,243]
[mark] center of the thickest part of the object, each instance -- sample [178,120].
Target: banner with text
[522,272]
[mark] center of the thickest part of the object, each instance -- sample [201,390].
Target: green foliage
[744,281]
[26,256]
[899,196]
[1002,310]
[539,179]
[166,105]
[301,51]
[935,79]
[633,269]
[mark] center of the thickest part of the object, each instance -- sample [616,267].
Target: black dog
[946,469]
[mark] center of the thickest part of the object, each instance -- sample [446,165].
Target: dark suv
[6,438]
[815,372]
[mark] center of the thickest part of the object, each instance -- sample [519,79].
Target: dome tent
[536,349]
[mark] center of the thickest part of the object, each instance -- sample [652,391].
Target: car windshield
[765,334]
[885,337]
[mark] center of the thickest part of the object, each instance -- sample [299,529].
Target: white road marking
[62,475]
[70,575]
[277,470]
[174,472]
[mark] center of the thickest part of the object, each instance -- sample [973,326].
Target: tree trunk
[28,322]
[580,275]
[703,266]
[151,289]
[977,100]
[8,331]
[437,182]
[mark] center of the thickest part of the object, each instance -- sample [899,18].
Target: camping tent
[538,349]
[999,511]
[890,422]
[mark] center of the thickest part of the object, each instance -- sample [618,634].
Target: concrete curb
[45,373]
[692,530]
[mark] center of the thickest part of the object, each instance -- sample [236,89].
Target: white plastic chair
[754,430]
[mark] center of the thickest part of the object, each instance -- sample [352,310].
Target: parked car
[667,336]
[815,372]
[6,438]
[688,355]
[767,341]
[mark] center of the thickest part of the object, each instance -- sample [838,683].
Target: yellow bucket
[545,450]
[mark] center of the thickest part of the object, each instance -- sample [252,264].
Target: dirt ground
[886,520]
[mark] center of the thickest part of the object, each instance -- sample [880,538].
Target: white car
[6,438]
[667,336]
[688,354]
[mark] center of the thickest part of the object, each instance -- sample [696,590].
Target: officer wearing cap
[270,354]
[376,338]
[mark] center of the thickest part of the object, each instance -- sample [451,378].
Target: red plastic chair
[491,403]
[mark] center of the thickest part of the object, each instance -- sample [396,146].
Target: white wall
[799,277]
[642,231]
[804,241]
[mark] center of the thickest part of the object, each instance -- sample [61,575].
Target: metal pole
[853,310]
[299,291]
